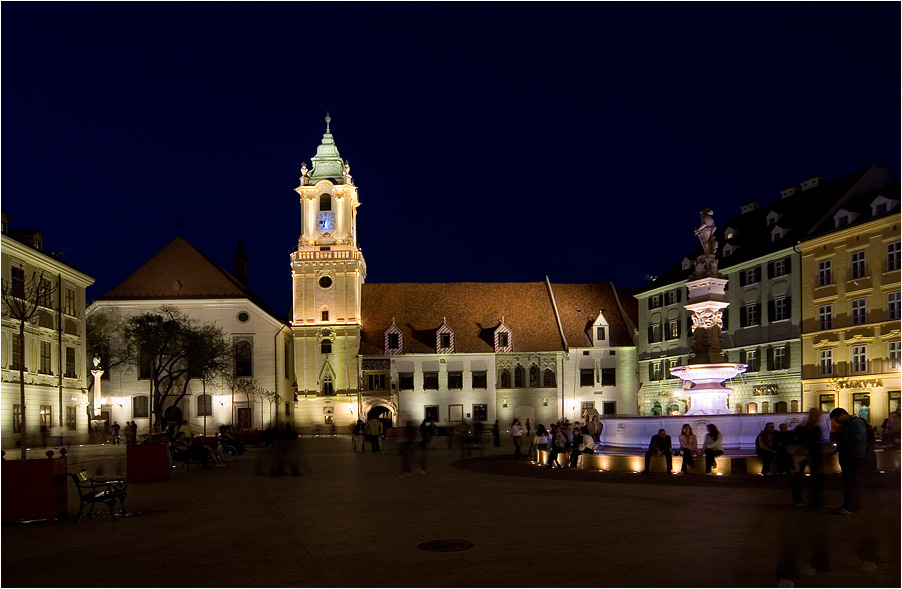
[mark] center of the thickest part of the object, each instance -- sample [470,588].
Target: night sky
[490,142]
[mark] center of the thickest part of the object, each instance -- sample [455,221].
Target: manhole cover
[445,545]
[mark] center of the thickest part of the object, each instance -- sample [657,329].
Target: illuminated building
[181,276]
[55,357]
[851,322]
[762,328]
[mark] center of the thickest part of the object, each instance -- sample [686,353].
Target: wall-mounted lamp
[504,403]
[545,402]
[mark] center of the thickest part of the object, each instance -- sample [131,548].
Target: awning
[456,366]
[586,362]
[404,366]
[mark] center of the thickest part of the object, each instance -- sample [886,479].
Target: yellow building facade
[851,310]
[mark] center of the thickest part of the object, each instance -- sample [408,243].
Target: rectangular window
[143,366]
[430,412]
[375,382]
[480,379]
[858,268]
[17,419]
[859,311]
[140,407]
[751,276]
[70,418]
[586,377]
[70,301]
[45,293]
[46,417]
[17,275]
[599,333]
[456,380]
[405,381]
[781,309]
[394,341]
[656,372]
[825,317]
[654,333]
[430,381]
[780,359]
[751,359]
[749,315]
[893,256]
[825,362]
[893,308]
[45,358]
[654,302]
[444,340]
[70,362]
[781,267]
[825,273]
[480,412]
[608,377]
[673,329]
[827,402]
[16,352]
[673,363]
[894,351]
[502,340]
[859,359]
[325,315]
[609,408]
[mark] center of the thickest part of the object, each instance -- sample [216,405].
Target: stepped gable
[181,271]
[578,306]
[471,310]
[799,215]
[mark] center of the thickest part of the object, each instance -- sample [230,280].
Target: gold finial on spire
[328,120]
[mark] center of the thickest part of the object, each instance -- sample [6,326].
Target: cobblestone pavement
[351,521]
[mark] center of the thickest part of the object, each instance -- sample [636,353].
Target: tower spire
[328,120]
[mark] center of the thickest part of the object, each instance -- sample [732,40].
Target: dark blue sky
[489,142]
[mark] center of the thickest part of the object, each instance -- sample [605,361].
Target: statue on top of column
[706,264]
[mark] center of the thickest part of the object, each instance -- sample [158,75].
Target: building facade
[55,369]
[851,324]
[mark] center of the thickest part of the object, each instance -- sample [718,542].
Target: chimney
[749,206]
[813,181]
[789,191]
[240,263]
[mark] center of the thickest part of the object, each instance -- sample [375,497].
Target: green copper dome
[327,163]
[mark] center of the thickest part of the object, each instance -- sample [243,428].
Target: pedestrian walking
[516,433]
[851,440]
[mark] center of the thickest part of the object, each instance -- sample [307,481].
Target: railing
[330,255]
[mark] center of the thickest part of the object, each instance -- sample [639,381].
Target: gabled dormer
[394,340]
[777,232]
[686,264]
[600,331]
[729,233]
[444,339]
[882,205]
[843,218]
[729,249]
[504,341]
[772,218]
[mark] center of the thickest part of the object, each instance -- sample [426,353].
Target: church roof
[472,310]
[181,271]
[579,304]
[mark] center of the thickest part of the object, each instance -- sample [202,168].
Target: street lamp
[97,371]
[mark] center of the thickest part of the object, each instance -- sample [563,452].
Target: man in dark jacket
[660,446]
[851,440]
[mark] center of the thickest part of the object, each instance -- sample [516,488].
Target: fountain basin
[708,373]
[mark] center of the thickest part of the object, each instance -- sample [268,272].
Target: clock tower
[327,273]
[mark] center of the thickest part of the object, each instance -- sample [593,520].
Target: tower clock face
[325,221]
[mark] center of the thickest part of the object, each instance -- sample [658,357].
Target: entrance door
[244,418]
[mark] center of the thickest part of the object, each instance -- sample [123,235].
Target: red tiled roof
[181,271]
[472,311]
[579,305]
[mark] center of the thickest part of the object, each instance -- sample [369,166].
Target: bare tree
[23,301]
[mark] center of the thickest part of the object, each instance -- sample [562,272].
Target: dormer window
[728,250]
[686,264]
[503,340]
[881,205]
[777,233]
[729,233]
[444,340]
[393,340]
[842,221]
[843,218]
[772,218]
[38,244]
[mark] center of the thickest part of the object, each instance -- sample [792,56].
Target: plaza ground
[350,521]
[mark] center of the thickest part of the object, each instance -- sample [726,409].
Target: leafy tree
[172,349]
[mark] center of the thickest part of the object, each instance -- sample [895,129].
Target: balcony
[325,255]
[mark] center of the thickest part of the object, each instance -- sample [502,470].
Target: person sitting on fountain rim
[659,446]
[713,447]
[764,447]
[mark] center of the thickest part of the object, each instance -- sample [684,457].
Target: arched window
[205,405]
[325,202]
[328,389]
[140,406]
[244,359]
[738,408]
[673,409]
[765,407]
[780,407]
[548,378]
[753,407]
[794,406]
[505,379]
[657,409]
[325,347]
[519,376]
[533,376]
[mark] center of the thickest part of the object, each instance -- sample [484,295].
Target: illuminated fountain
[708,367]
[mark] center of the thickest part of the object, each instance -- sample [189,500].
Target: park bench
[92,491]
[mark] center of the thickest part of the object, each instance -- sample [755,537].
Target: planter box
[35,489]
[147,463]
